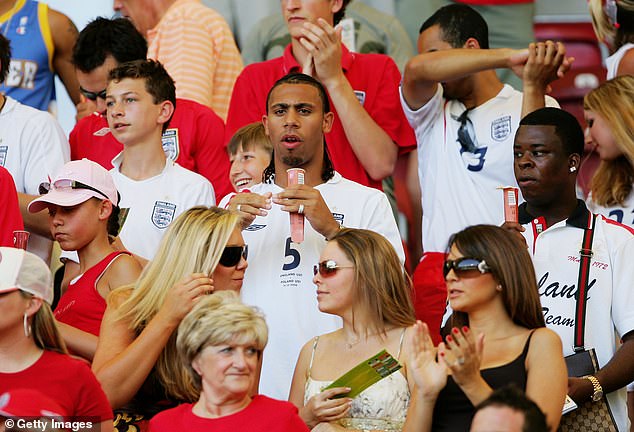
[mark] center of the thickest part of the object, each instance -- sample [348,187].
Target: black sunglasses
[92,95]
[62,184]
[465,267]
[327,268]
[464,138]
[232,254]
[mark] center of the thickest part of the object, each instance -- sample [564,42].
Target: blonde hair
[193,243]
[249,137]
[612,100]
[219,319]
[44,331]
[382,286]
[614,34]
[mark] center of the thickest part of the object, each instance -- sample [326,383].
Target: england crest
[163,214]
[360,96]
[501,128]
[170,144]
[3,155]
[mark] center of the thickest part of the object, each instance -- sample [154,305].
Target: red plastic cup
[21,239]
[296,176]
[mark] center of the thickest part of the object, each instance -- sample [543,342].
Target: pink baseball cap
[77,182]
[29,403]
[22,270]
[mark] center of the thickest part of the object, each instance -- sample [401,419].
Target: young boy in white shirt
[140,101]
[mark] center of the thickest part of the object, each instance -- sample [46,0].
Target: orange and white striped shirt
[198,50]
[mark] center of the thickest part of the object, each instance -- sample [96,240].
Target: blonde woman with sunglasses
[374,304]
[496,336]
[136,359]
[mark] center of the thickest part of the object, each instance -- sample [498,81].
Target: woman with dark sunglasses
[136,359]
[359,278]
[496,336]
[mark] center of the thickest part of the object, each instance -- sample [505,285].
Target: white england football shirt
[459,188]
[280,273]
[155,202]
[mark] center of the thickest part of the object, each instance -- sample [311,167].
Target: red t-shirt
[194,139]
[374,79]
[66,380]
[82,306]
[263,414]
[10,216]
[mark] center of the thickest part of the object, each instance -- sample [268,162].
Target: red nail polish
[449,338]
[442,354]
[455,330]
[465,329]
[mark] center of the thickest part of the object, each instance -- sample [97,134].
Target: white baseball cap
[25,271]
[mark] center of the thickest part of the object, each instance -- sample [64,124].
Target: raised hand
[462,353]
[249,205]
[323,43]
[308,199]
[430,374]
[184,295]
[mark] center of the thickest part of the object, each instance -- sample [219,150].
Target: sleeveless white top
[382,406]
[612,62]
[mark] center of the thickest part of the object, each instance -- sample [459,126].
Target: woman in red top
[32,352]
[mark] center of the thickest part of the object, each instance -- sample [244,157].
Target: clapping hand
[462,353]
[429,373]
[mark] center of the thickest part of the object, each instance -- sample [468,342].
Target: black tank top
[453,411]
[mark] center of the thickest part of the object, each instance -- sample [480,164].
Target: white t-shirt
[459,190]
[280,273]
[613,61]
[610,304]
[155,202]
[623,214]
[32,148]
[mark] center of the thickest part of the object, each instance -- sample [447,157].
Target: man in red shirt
[369,129]
[194,137]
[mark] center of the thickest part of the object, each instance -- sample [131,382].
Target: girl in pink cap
[82,203]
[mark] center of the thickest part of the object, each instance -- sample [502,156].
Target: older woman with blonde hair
[136,359]
[220,343]
[360,279]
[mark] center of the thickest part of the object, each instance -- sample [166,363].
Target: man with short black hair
[465,120]
[547,154]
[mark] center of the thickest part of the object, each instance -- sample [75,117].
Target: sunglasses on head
[466,267]
[92,95]
[327,268]
[464,138]
[63,184]
[232,254]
